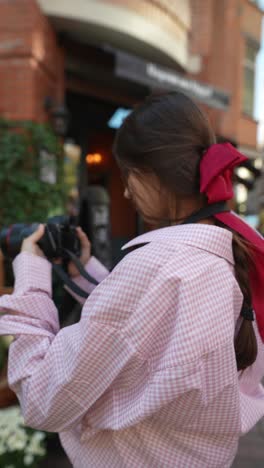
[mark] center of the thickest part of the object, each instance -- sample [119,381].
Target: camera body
[59,237]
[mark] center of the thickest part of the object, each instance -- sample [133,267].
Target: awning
[155,76]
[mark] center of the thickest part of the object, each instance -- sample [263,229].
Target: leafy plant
[24,197]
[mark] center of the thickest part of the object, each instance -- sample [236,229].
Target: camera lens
[12,237]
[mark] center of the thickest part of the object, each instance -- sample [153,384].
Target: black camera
[59,238]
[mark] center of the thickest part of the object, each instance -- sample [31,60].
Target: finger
[83,238]
[36,236]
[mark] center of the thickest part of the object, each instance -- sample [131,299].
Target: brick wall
[218,36]
[201,31]
[31,62]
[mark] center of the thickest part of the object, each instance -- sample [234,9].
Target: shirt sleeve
[56,374]
[30,310]
[95,269]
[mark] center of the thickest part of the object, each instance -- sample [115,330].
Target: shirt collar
[213,239]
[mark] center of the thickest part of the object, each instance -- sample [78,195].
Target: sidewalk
[251,449]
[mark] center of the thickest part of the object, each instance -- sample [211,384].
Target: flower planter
[7,396]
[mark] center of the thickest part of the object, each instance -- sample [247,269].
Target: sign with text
[158,77]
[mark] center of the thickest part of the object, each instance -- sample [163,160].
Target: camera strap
[58,269]
[80,267]
[68,282]
[206,212]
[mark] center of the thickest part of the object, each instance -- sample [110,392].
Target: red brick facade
[31,62]
[32,67]
[220,30]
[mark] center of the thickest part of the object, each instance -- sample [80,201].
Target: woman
[164,367]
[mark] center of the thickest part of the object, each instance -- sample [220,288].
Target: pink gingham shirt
[147,378]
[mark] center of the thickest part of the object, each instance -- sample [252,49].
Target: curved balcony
[155,29]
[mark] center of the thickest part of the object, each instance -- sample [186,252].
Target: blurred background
[82,66]
[70,71]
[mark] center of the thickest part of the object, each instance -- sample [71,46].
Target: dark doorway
[89,128]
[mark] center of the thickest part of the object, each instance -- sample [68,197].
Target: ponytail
[245,342]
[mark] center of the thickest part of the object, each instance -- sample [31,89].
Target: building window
[251,51]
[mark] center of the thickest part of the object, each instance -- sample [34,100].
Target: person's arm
[59,374]
[91,264]
[95,269]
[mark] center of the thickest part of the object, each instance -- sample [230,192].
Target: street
[251,449]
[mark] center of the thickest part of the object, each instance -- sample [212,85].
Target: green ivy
[23,196]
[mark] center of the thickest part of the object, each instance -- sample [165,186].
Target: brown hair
[167,135]
[246,347]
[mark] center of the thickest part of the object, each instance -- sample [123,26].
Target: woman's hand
[85,253]
[30,245]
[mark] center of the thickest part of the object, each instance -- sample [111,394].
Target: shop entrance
[89,128]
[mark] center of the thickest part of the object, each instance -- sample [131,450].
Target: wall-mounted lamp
[94,159]
[59,115]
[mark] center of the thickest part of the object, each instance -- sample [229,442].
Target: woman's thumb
[36,236]
[82,236]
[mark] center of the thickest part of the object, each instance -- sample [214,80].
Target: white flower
[28,459]
[11,421]
[34,447]
[14,436]
[11,417]
[17,440]
[39,435]
[4,432]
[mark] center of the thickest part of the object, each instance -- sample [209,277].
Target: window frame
[249,65]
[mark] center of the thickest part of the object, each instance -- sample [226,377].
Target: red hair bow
[216,170]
